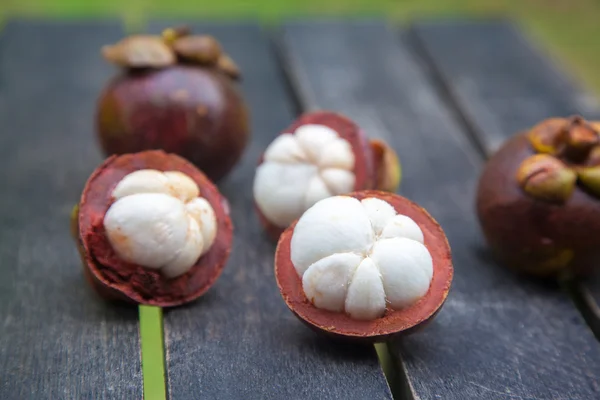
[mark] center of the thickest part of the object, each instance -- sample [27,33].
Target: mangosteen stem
[153,353]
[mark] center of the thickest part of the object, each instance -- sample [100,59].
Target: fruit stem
[153,354]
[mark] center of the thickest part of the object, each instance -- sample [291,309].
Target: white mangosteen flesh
[159,220]
[359,257]
[301,168]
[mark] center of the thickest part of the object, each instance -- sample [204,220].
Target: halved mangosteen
[321,154]
[152,229]
[364,266]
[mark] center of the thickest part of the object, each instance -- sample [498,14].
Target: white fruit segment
[301,168]
[159,221]
[322,281]
[366,295]
[359,256]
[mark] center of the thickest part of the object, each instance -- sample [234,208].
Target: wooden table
[443,94]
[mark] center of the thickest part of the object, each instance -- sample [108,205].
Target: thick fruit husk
[531,235]
[193,111]
[364,165]
[394,322]
[116,279]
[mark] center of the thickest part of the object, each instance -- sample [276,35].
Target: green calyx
[590,178]
[568,151]
[546,178]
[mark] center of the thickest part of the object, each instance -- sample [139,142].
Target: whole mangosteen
[538,199]
[176,92]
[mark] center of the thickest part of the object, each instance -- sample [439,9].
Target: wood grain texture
[58,340]
[498,336]
[501,84]
[500,81]
[240,341]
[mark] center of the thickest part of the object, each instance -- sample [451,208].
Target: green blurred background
[568,29]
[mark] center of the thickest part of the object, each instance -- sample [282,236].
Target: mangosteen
[365,266]
[152,229]
[176,92]
[538,199]
[321,154]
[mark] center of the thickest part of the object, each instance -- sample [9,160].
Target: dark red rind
[117,279]
[100,288]
[364,164]
[528,233]
[193,111]
[394,322]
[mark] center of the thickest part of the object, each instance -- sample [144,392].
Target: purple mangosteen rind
[534,211]
[175,92]
[115,279]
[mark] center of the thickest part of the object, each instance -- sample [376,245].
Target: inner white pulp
[300,169]
[357,256]
[158,220]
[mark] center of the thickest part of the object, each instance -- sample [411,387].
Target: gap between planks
[397,383]
[325,366]
[57,332]
[334,61]
[578,291]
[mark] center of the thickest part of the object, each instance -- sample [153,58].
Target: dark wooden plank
[497,336]
[499,80]
[58,339]
[240,341]
[501,84]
